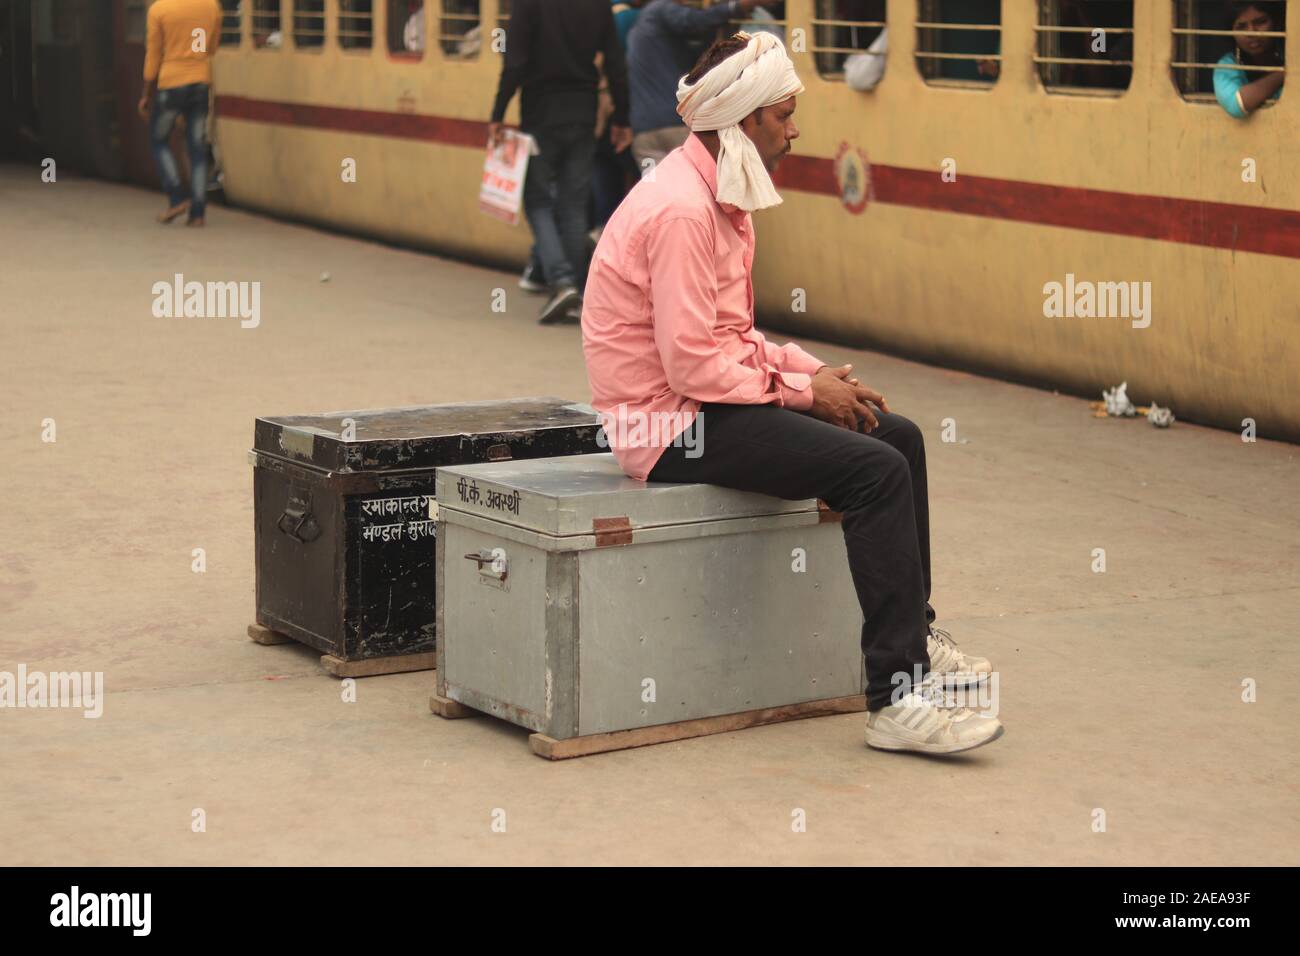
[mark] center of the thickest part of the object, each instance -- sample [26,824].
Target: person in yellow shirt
[183,35]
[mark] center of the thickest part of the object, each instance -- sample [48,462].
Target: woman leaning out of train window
[1241,92]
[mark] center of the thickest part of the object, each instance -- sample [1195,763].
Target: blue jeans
[555,200]
[191,102]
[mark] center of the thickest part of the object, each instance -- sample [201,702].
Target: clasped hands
[845,401]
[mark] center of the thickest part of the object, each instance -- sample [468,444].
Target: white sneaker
[530,282]
[922,724]
[955,668]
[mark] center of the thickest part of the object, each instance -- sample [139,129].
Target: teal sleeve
[1226,85]
[624,20]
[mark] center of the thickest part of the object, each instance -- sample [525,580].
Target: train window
[843,29]
[136,20]
[959,42]
[1085,45]
[231,26]
[356,24]
[58,23]
[406,28]
[308,24]
[1203,36]
[769,18]
[459,31]
[266,24]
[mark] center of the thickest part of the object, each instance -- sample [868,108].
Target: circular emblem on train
[853,173]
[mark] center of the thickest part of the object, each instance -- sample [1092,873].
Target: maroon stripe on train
[1191,221]
[442,129]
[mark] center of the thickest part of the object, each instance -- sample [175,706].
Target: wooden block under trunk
[264,635]
[553,749]
[373,666]
[451,709]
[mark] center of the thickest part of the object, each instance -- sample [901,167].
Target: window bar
[1231,66]
[977,57]
[1195,32]
[1186,31]
[1050,29]
[863,24]
[1082,61]
[847,50]
[362,34]
[466,18]
[961,56]
[231,23]
[848,23]
[958,26]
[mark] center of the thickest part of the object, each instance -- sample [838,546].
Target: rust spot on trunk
[825,514]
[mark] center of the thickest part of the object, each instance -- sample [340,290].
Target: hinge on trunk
[611,531]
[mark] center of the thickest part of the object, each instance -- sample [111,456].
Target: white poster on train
[501,192]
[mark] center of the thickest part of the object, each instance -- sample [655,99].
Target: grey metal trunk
[575,601]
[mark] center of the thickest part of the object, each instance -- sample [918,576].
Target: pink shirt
[668,314]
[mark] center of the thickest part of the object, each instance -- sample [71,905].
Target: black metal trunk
[344,507]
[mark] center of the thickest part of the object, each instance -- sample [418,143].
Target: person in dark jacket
[615,171]
[550,59]
[662,47]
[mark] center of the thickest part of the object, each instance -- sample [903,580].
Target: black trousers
[877,480]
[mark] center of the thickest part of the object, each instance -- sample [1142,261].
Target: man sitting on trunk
[668,330]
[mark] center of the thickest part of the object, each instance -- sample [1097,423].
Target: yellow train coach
[1046,190]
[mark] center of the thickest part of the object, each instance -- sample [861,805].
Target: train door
[128,71]
[17,97]
[72,58]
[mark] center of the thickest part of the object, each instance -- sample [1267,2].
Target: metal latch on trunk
[491,563]
[296,520]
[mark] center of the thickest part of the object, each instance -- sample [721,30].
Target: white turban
[759,75]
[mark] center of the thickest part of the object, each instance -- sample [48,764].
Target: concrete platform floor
[1120,691]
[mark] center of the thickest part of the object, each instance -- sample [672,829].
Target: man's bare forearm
[146,94]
